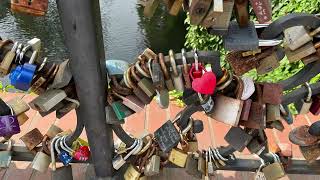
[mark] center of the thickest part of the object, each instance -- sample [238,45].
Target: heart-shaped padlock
[82,154]
[196,72]
[205,84]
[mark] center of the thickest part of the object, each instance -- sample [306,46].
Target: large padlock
[64,172]
[18,105]
[34,7]
[35,44]
[192,165]
[176,73]
[7,61]
[303,106]
[32,139]
[21,77]
[9,125]
[48,100]
[118,161]
[63,76]
[5,156]
[167,136]
[275,170]
[238,138]
[41,162]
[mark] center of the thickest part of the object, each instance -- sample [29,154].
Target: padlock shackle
[173,63]
[140,70]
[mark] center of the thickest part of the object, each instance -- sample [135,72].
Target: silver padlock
[35,44]
[303,106]
[176,73]
[118,161]
[62,77]
[41,162]
[5,156]
[48,100]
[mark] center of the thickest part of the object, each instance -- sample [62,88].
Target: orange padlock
[33,7]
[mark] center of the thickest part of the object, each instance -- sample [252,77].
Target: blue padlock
[22,75]
[65,158]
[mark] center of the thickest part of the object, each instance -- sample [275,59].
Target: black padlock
[4,108]
[197,126]
[314,129]
[189,96]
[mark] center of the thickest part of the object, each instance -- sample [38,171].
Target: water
[126,32]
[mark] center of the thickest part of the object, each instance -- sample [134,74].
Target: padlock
[272,93]
[228,110]
[262,9]
[176,73]
[111,117]
[303,106]
[246,110]
[63,76]
[22,75]
[63,155]
[248,88]
[162,98]
[116,67]
[256,147]
[5,156]
[201,164]
[273,112]
[35,44]
[271,62]
[315,107]
[150,8]
[198,9]
[40,81]
[311,58]
[241,38]
[167,136]
[22,118]
[132,173]
[210,167]
[53,131]
[48,100]
[297,36]
[191,166]
[7,61]
[301,136]
[178,157]
[257,115]
[156,74]
[35,7]
[67,107]
[218,22]
[197,69]
[121,110]
[168,80]
[18,105]
[82,153]
[310,153]
[118,161]
[153,166]
[9,124]
[41,162]
[286,114]
[136,89]
[238,138]
[241,12]
[275,170]
[64,172]
[131,102]
[32,139]
[4,108]
[185,69]
[174,6]
[298,54]
[145,84]
[193,146]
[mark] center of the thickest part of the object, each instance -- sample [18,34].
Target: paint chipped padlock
[9,125]
[21,77]
[32,138]
[82,154]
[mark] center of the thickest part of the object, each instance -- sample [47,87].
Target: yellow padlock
[132,173]
[178,157]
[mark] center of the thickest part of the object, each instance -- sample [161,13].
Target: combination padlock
[22,75]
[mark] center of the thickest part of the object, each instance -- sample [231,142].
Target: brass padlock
[275,170]
[6,62]
[176,73]
[297,36]
[41,162]
[303,106]
[18,105]
[273,112]
[48,100]
[32,139]
[132,173]
[5,156]
[178,157]
[22,118]
[144,83]
[168,80]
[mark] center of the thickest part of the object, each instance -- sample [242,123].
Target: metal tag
[262,9]
[167,136]
[241,39]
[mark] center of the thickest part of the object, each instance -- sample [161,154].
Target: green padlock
[121,110]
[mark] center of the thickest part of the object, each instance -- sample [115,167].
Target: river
[126,31]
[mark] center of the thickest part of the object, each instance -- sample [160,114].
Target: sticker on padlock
[21,77]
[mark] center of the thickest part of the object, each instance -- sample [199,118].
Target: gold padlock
[178,157]
[132,173]
[18,105]
[22,118]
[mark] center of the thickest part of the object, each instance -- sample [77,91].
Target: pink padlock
[82,154]
[197,68]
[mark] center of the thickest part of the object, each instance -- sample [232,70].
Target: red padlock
[82,154]
[197,68]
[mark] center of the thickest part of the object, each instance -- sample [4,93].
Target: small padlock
[144,83]
[168,80]
[298,54]
[121,110]
[303,106]
[198,9]
[185,71]
[167,136]
[41,162]
[178,157]
[7,61]
[132,173]
[63,76]
[21,77]
[246,110]
[176,73]
[153,166]
[82,153]
[297,36]
[22,118]
[64,172]
[9,124]
[156,74]
[197,69]
[131,102]
[111,117]
[118,161]
[53,131]
[273,112]
[5,156]
[210,167]
[32,139]
[48,100]
[63,155]
[18,105]
[238,138]
[275,170]
[201,164]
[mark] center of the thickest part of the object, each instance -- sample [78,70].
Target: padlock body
[147,87]
[18,105]
[273,112]
[53,131]
[298,54]
[142,95]
[120,110]
[48,100]
[21,77]
[9,125]
[303,107]
[111,117]
[153,167]
[6,63]
[178,157]
[41,162]
[132,173]
[32,138]
[133,103]
[5,159]
[273,171]
[296,37]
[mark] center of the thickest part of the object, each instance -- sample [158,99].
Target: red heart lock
[82,154]
[205,84]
